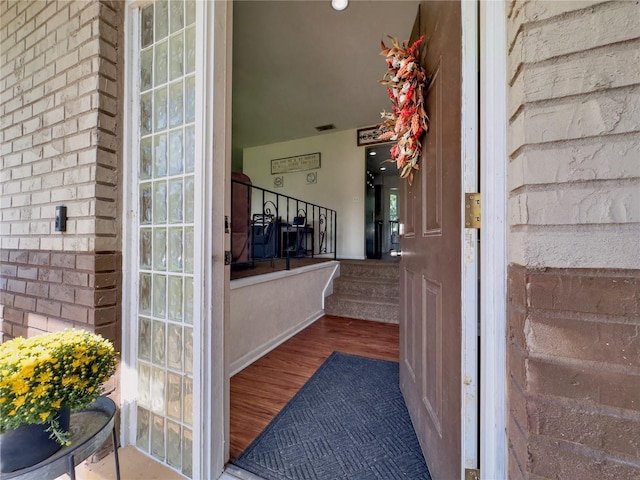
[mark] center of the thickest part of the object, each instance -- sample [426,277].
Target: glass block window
[165,232]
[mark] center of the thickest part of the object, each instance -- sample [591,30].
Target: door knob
[395,253]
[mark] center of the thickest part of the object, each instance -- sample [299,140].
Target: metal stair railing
[267,225]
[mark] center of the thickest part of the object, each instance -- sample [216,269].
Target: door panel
[430,368]
[408,212]
[432,193]
[409,333]
[432,351]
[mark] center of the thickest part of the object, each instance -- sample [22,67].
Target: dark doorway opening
[381,202]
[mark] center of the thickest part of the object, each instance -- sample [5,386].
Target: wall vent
[329,126]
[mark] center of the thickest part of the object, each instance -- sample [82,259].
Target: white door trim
[204,352]
[469,262]
[128,374]
[493,238]
[219,36]
[216,150]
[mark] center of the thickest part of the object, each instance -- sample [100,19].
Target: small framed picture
[278,182]
[312,177]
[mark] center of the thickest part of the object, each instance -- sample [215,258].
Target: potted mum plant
[43,379]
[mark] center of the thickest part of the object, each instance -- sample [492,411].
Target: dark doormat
[349,421]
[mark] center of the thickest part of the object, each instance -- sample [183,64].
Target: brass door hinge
[227,257]
[471,474]
[472,210]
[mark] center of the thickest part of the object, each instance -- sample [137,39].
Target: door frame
[491,19]
[128,354]
[470,420]
[216,151]
[493,238]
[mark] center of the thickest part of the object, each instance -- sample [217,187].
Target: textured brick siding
[574,229]
[60,140]
[48,291]
[574,135]
[59,127]
[574,373]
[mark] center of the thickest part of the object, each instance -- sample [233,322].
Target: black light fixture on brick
[61,218]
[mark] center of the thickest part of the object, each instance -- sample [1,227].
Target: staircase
[366,289]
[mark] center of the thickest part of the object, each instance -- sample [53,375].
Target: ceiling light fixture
[339,4]
[372,153]
[383,168]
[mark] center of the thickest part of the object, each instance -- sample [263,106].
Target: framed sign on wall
[310,161]
[369,136]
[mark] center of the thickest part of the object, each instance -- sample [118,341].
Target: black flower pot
[27,445]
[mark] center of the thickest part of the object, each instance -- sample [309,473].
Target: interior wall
[340,181]
[574,221]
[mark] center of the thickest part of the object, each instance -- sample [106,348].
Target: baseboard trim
[258,352]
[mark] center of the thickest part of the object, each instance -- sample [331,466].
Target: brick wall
[60,126]
[574,248]
[49,291]
[574,102]
[574,363]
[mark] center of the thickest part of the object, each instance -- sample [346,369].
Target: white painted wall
[340,183]
[268,309]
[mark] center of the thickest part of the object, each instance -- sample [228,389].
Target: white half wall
[266,310]
[340,181]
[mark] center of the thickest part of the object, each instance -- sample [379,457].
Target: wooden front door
[430,325]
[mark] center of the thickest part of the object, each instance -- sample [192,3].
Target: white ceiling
[299,64]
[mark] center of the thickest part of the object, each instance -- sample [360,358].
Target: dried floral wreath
[407,121]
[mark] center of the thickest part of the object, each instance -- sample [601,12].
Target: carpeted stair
[367,290]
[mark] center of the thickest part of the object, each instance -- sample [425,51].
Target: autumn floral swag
[407,122]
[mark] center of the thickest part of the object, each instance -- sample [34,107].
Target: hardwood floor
[261,390]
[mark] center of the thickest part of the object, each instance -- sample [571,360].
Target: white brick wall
[574,134]
[59,85]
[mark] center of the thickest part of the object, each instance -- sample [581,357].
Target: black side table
[89,430]
[296,240]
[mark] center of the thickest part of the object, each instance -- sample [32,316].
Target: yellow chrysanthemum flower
[66,381]
[40,390]
[19,387]
[28,368]
[45,377]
